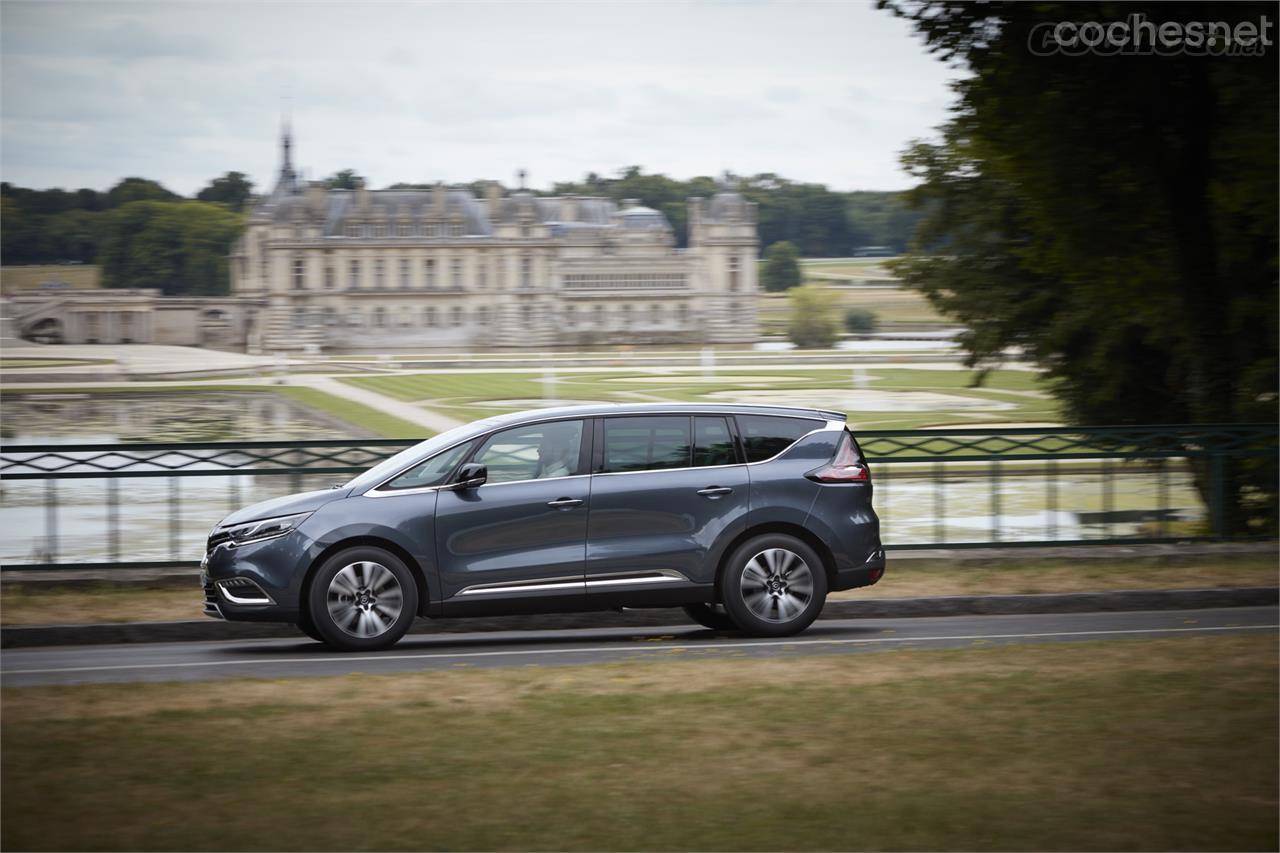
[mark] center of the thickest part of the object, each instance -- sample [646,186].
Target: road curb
[886,608]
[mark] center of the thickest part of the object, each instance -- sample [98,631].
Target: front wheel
[362,599]
[774,586]
[711,616]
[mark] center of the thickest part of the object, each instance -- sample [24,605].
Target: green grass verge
[1122,745]
[43,604]
[14,363]
[357,415]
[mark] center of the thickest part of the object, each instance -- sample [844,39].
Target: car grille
[215,539]
[211,600]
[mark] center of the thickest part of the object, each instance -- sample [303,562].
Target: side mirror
[470,476]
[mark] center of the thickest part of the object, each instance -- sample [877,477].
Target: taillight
[846,467]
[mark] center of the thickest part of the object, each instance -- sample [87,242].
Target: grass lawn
[472,395]
[44,605]
[1121,745]
[898,305]
[356,414]
[16,363]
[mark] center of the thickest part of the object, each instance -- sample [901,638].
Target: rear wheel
[711,616]
[362,599]
[774,585]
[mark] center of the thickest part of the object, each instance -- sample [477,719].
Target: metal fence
[136,505]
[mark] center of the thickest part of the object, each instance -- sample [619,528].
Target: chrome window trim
[829,426]
[379,492]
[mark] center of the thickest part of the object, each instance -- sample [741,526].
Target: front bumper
[255,582]
[865,575]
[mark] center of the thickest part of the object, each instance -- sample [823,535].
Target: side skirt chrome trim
[570,584]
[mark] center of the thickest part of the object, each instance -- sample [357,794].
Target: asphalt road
[284,658]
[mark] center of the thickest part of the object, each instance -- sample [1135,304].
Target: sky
[182,91]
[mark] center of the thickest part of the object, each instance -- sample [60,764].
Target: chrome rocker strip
[570,584]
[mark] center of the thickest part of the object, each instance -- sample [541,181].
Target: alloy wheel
[365,599]
[777,585]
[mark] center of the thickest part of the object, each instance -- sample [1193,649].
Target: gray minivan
[744,516]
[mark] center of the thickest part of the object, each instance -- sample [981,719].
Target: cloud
[183,92]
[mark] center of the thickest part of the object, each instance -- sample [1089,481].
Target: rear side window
[765,436]
[646,444]
[712,442]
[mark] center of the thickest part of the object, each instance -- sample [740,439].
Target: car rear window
[765,436]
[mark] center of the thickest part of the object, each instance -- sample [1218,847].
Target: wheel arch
[419,576]
[805,535]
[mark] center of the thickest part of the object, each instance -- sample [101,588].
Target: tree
[813,322]
[346,179]
[781,270]
[860,321]
[1113,216]
[233,189]
[179,248]
[137,189]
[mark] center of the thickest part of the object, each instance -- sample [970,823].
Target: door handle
[565,503]
[715,491]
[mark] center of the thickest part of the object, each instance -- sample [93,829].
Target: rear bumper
[865,575]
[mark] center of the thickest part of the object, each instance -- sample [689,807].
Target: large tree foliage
[781,269]
[179,248]
[1113,216]
[232,189]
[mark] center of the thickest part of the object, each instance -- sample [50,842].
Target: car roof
[601,409]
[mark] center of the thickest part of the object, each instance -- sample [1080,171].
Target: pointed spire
[286,143]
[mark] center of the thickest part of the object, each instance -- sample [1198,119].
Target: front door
[518,541]
[669,489]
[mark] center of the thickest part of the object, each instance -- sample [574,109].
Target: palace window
[482,274]
[733,272]
[430,267]
[299,274]
[353,275]
[626,316]
[404,272]
[482,315]
[406,229]
[429,316]
[570,315]
[353,230]
[455,316]
[379,277]
[354,318]
[526,271]
[655,314]
[682,313]
[299,318]
[626,281]
[526,313]
[330,316]
[379,317]
[455,273]
[328,277]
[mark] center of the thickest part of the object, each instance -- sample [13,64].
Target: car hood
[287,505]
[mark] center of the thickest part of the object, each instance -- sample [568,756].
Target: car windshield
[410,455]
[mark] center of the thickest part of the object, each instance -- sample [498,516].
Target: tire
[774,585]
[362,599]
[305,625]
[710,616]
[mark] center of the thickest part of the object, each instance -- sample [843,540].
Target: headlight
[258,531]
